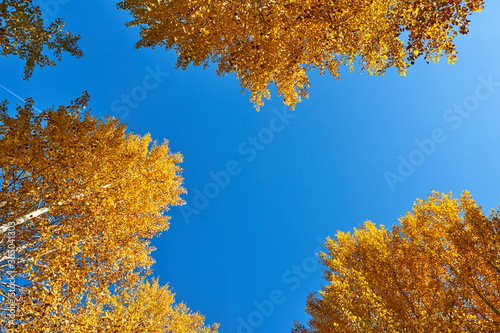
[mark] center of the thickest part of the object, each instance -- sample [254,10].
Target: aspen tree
[274,41]
[23,33]
[80,200]
[438,271]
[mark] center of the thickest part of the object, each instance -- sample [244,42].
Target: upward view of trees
[81,198]
[438,271]
[270,41]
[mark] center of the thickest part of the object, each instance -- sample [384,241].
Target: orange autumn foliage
[438,271]
[80,200]
[146,307]
[271,41]
[24,34]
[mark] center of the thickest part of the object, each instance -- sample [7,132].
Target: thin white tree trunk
[29,216]
[23,219]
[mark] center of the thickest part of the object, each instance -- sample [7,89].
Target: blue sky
[285,180]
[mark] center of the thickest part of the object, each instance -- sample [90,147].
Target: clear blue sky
[297,177]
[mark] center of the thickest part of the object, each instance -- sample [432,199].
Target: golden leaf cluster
[83,198]
[146,307]
[23,33]
[273,41]
[438,271]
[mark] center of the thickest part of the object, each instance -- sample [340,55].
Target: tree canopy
[80,201]
[438,271]
[145,307]
[23,33]
[269,41]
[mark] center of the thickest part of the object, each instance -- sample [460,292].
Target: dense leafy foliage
[438,271]
[80,201]
[271,41]
[23,33]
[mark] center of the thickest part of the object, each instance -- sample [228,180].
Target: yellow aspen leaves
[143,307]
[438,271]
[24,34]
[266,41]
[82,199]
